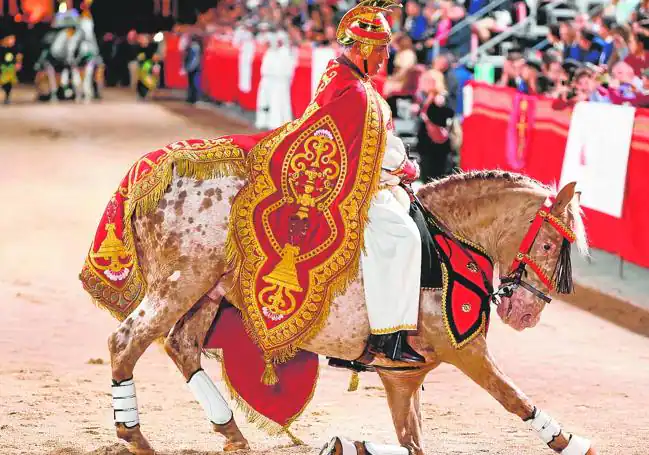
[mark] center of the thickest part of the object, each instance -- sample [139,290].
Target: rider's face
[376,59]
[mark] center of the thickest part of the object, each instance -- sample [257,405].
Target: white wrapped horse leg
[383,449]
[217,410]
[127,420]
[341,446]
[550,433]
[209,397]
[125,404]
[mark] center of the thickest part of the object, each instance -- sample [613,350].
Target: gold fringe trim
[262,422]
[353,382]
[393,329]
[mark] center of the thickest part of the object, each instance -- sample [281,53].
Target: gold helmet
[366,24]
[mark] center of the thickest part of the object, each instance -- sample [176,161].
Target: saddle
[462,270]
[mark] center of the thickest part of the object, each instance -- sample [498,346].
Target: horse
[180,247]
[66,50]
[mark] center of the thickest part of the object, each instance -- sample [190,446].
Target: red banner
[525,134]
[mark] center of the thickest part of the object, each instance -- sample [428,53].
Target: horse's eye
[547,247]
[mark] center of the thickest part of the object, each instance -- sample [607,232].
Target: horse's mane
[575,214]
[506,177]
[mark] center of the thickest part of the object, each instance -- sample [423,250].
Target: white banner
[597,155]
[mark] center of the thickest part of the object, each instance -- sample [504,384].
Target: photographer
[439,134]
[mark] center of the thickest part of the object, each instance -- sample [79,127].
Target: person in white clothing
[274,96]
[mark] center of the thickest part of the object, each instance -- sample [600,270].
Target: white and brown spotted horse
[180,246]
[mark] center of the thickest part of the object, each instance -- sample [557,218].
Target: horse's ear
[578,195]
[564,197]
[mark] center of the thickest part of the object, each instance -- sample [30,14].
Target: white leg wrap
[330,448]
[545,426]
[381,449]
[209,397]
[125,404]
[576,446]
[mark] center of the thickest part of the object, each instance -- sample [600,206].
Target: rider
[391,261]
[10,63]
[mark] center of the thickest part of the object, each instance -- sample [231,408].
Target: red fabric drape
[492,140]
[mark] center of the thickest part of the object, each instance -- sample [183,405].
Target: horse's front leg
[403,392]
[476,361]
[184,345]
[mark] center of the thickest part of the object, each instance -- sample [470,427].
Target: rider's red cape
[296,229]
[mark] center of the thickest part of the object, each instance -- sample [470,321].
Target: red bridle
[515,276]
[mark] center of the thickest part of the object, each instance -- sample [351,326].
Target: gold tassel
[294,439]
[269,377]
[353,382]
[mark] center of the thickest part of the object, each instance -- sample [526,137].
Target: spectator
[404,61]
[552,74]
[192,67]
[512,75]
[641,12]
[604,28]
[621,37]
[638,57]
[443,63]
[585,50]
[584,88]
[415,26]
[554,37]
[568,36]
[436,145]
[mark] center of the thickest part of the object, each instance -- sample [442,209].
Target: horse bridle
[514,279]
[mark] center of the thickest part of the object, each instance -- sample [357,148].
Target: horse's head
[542,262]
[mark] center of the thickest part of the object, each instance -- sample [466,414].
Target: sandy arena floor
[58,166]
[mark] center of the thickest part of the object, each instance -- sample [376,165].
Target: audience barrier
[504,130]
[514,132]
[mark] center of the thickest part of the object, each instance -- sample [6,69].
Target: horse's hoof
[234,438]
[234,446]
[137,443]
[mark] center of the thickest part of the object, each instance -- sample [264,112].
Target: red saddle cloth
[467,274]
[274,407]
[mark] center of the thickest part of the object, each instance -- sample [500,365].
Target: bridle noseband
[514,279]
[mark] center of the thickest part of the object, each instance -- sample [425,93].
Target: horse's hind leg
[153,318]
[184,345]
[476,361]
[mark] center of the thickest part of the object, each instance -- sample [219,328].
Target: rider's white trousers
[391,266]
